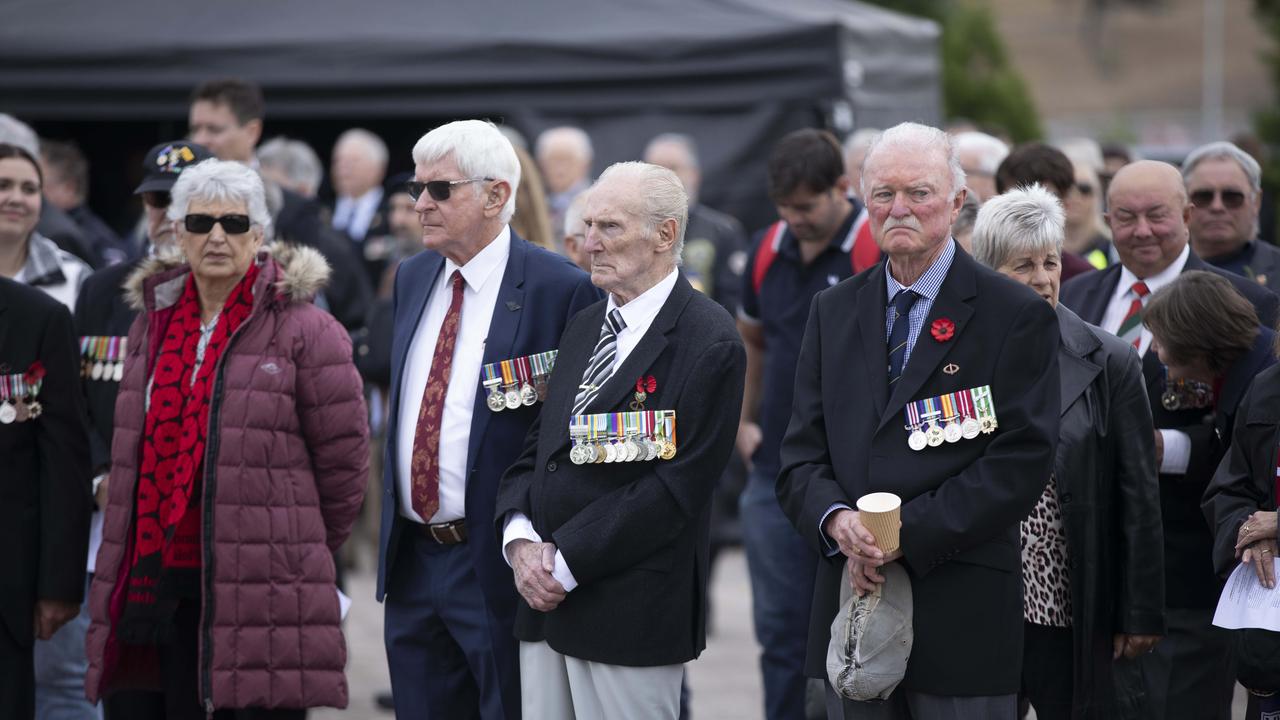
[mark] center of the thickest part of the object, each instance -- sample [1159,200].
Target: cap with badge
[166,161]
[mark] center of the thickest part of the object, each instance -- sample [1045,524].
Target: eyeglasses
[1231,199]
[157,199]
[232,224]
[439,190]
[1084,189]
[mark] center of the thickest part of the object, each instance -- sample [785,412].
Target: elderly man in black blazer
[611,562]
[44,486]
[934,378]
[1188,675]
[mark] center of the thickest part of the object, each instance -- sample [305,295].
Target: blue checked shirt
[928,286]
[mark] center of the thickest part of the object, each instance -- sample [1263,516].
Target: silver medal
[512,398]
[970,429]
[952,432]
[917,441]
[8,413]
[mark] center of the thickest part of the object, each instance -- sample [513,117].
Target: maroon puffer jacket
[285,472]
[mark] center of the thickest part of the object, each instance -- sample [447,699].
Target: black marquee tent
[735,74]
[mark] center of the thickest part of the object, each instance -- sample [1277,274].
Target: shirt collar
[43,266]
[843,236]
[645,306]
[480,268]
[1160,279]
[930,283]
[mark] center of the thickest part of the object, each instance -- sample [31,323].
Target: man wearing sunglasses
[478,294]
[1224,184]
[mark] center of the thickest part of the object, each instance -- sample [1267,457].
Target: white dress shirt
[482,276]
[1177,445]
[639,315]
[354,215]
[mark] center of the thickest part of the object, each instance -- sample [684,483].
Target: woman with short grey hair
[1092,548]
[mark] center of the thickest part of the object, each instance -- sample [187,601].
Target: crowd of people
[1059,359]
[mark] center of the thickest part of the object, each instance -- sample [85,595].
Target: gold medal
[668,450]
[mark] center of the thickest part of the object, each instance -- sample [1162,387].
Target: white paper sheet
[1245,603]
[344,604]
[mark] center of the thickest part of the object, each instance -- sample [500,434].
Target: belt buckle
[445,533]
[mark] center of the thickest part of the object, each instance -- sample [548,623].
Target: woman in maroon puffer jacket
[239,462]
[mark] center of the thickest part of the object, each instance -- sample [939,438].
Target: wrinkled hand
[49,615]
[1131,646]
[533,563]
[859,545]
[1159,449]
[1260,556]
[749,437]
[1260,526]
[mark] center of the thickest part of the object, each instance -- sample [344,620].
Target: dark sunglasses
[439,190]
[232,224]
[1084,189]
[1231,199]
[157,199]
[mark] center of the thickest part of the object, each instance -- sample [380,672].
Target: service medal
[633,450]
[497,401]
[1170,400]
[952,432]
[574,455]
[7,413]
[36,408]
[988,425]
[668,450]
[611,453]
[588,454]
[970,429]
[512,398]
[528,396]
[935,436]
[119,374]
[917,441]
[97,370]
[601,450]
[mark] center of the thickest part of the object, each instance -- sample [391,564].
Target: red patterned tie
[1131,326]
[424,468]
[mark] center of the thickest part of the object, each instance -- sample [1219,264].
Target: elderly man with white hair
[478,317]
[935,379]
[1224,185]
[611,563]
[564,155]
[358,169]
[1088,601]
[980,157]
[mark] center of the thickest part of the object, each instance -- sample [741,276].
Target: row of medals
[512,397]
[1186,395]
[952,432]
[630,449]
[100,370]
[19,410]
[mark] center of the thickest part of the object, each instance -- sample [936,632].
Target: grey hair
[919,136]
[1022,221]
[860,139]
[573,213]
[576,138]
[684,142]
[294,158]
[967,216]
[15,132]
[661,195]
[373,144]
[216,180]
[1223,150]
[991,150]
[479,150]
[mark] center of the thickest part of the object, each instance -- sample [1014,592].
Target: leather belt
[448,533]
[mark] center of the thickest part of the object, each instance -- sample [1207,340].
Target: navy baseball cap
[165,161]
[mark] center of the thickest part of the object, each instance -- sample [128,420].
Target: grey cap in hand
[871,638]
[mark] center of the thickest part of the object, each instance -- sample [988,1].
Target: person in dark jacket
[67,188]
[44,514]
[1224,184]
[238,465]
[1092,550]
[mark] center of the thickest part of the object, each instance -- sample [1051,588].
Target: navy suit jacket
[540,292]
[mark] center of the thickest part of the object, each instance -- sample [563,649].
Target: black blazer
[1189,578]
[961,502]
[101,309]
[1245,480]
[44,471]
[634,535]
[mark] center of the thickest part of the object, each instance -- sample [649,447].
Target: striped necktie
[1131,326]
[900,332]
[600,369]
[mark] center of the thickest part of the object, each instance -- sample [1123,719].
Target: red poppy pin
[942,329]
[644,386]
[35,373]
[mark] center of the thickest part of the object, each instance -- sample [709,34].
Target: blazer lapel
[875,352]
[952,303]
[499,344]
[571,363]
[417,290]
[1093,307]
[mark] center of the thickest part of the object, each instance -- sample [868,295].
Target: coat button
[551,466]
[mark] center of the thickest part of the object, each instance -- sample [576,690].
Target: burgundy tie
[424,468]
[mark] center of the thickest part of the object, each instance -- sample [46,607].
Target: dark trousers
[179,671]
[1047,682]
[782,568]
[1190,674]
[450,658]
[17,675]
[907,705]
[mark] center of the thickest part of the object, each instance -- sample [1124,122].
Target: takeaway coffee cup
[881,514]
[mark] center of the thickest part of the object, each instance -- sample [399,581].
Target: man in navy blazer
[478,295]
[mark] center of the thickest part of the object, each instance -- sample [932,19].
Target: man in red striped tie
[1188,674]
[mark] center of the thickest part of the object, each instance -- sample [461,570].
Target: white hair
[573,213]
[294,158]
[680,140]
[860,139]
[1026,220]
[661,195]
[1224,150]
[373,144]
[576,139]
[991,151]
[921,137]
[1084,151]
[15,132]
[221,181]
[479,150]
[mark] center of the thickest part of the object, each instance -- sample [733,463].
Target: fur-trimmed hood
[299,273]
